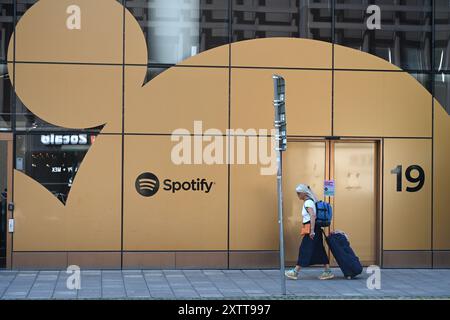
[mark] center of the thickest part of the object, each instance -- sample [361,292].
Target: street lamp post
[280,146]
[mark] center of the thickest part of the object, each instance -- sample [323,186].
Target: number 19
[419,180]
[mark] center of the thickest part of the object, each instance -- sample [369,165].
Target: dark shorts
[312,252]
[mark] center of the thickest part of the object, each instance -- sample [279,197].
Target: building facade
[123,124]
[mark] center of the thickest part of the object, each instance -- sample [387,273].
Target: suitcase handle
[329,250]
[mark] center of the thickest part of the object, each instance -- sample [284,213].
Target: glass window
[424,79]
[153,73]
[178,29]
[442,90]
[52,159]
[404,37]
[3,200]
[6,99]
[22,6]
[442,35]
[282,18]
[28,121]
[6,26]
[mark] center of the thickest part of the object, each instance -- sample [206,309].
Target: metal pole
[280,220]
[281,141]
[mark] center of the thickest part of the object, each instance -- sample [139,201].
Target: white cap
[302,188]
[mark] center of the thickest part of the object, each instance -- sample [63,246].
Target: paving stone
[65,295]
[162,294]
[40,294]
[170,284]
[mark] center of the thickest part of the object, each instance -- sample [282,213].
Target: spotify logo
[147,184]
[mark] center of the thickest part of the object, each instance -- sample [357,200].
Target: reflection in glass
[178,29]
[6,99]
[52,159]
[153,73]
[424,79]
[282,18]
[442,90]
[22,6]
[405,35]
[442,35]
[6,26]
[28,121]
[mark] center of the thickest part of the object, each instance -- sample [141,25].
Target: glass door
[354,169]
[304,162]
[5,194]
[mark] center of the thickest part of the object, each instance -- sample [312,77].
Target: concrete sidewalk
[219,284]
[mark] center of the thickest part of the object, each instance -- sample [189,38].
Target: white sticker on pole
[11,225]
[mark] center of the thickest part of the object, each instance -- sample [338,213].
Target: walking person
[312,251]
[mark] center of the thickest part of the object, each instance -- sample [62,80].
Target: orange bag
[306,229]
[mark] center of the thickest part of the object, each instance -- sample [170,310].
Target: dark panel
[404,37]
[95,260]
[254,259]
[6,26]
[6,99]
[204,260]
[442,35]
[407,259]
[149,260]
[40,260]
[441,259]
[442,90]
[282,18]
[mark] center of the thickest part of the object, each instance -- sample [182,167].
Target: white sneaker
[326,275]
[292,274]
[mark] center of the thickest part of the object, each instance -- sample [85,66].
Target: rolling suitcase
[344,254]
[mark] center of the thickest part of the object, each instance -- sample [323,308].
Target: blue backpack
[324,214]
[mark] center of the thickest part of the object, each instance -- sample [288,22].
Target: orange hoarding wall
[239,212]
[441,217]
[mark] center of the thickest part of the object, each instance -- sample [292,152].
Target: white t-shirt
[308,204]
